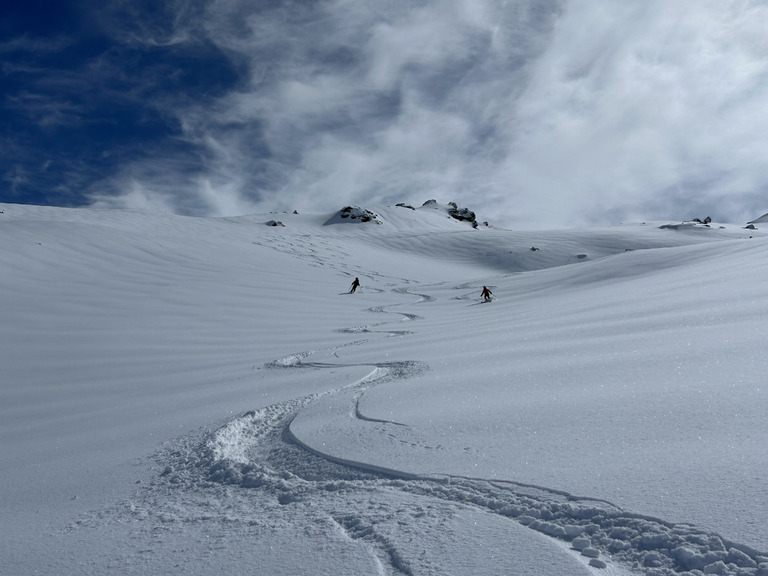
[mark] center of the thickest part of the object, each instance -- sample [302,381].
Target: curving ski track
[252,469]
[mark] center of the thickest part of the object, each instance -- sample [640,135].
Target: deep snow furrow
[602,532]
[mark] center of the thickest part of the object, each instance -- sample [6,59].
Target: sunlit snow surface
[202,395]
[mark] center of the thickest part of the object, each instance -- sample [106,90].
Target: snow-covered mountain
[202,396]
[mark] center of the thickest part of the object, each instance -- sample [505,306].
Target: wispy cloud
[650,104]
[534,112]
[347,102]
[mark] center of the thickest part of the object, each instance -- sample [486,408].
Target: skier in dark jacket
[355,284]
[486,294]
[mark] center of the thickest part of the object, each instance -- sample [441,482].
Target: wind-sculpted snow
[260,463]
[201,396]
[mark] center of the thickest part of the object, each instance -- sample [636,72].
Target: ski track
[251,470]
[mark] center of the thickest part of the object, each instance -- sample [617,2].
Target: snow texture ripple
[253,468]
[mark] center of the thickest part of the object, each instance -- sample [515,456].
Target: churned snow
[202,396]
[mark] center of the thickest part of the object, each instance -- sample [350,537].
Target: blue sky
[532,113]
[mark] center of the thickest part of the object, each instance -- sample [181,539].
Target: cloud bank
[534,113]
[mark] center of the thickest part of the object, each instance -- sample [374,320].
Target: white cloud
[135,196]
[535,113]
[665,96]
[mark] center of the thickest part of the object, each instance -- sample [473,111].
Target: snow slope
[186,395]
